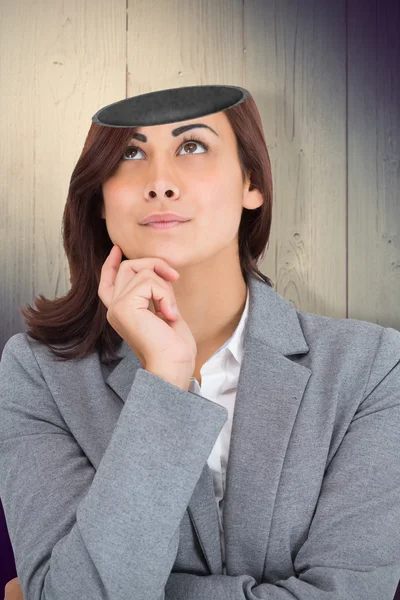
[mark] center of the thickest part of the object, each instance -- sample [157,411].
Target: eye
[185,140]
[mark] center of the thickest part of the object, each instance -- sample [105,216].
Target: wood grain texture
[299,84]
[374,161]
[323,76]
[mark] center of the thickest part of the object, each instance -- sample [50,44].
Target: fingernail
[174,309]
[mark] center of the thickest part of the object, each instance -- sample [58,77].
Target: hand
[161,341]
[13,590]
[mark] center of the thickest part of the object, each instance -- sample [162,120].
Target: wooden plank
[374,159]
[295,63]
[60,64]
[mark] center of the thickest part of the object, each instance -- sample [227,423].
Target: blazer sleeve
[353,545]
[110,534]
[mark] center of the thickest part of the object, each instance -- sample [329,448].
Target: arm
[353,546]
[106,534]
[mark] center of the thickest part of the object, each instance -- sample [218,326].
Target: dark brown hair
[78,321]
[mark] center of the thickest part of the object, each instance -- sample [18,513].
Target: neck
[211,302]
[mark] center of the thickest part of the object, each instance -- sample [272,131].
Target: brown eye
[186,141]
[191,143]
[130,150]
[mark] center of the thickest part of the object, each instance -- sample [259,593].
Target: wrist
[180,379]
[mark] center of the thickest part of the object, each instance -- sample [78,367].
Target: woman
[114,471]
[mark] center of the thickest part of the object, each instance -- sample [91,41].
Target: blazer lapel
[270,389]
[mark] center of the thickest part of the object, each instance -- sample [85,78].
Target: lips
[165,224]
[162,218]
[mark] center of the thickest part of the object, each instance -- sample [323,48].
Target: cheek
[224,198]
[117,198]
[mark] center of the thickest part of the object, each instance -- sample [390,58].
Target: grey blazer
[108,495]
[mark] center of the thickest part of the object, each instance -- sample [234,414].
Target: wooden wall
[324,76]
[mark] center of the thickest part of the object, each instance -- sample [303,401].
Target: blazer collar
[270,389]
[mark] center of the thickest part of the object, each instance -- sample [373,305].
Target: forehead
[218,122]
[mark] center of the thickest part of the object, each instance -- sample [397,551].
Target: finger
[163,297]
[135,299]
[168,317]
[114,274]
[108,274]
[130,268]
[166,308]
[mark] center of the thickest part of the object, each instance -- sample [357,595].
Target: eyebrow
[175,132]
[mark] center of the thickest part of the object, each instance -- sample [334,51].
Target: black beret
[170,105]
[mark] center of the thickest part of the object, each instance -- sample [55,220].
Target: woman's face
[164,173]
